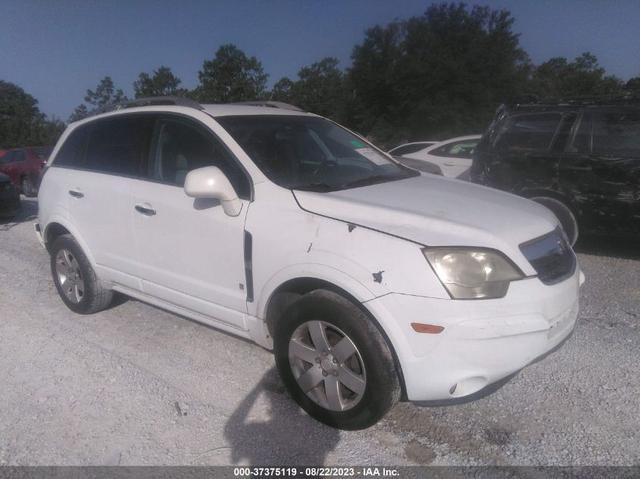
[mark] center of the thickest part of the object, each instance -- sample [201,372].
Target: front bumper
[483,341]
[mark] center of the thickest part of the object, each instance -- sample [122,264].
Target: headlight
[473,273]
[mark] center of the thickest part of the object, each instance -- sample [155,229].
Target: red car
[24,166]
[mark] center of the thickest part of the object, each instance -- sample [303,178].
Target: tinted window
[120,145]
[457,149]
[406,149]
[182,146]
[617,133]
[72,151]
[7,158]
[41,152]
[528,132]
[20,155]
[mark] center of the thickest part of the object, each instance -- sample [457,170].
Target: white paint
[189,257]
[452,167]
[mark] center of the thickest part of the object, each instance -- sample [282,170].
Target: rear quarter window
[71,153]
[527,132]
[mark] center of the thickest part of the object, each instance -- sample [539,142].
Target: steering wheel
[323,167]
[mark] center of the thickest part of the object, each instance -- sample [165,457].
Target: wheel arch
[292,289]
[57,227]
[553,194]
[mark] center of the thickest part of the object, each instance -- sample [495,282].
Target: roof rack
[533,100]
[269,103]
[148,101]
[160,101]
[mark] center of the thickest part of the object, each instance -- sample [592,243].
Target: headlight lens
[472,273]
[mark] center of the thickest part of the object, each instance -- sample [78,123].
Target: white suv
[370,281]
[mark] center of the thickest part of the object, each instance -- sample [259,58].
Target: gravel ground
[137,385]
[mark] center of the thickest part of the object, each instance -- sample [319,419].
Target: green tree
[231,76]
[320,88]
[80,112]
[19,116]
[283,90]
[441,73]
[105,96]
[633,86]
[161,83]
[558,77]
[21,122]
[373,78]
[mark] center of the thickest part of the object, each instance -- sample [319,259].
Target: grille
[551,257]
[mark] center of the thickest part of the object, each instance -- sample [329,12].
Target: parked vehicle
[422,166]
[581,160]
[412,147]
[24,166]
[370,281]
[9,198]
[453,156]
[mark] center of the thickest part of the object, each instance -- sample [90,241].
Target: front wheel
[335,362]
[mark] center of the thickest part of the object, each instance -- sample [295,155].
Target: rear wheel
[335,362]
[564,214]
[74,277]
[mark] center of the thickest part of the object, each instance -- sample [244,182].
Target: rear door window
[407,149]
[7,158]
[20,155]
[617,133]
[528,132]
[120,145]
[457,149]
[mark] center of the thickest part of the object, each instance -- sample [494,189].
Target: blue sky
[55,50]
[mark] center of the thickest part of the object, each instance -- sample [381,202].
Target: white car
[453,156]
[371,282]
[413,147]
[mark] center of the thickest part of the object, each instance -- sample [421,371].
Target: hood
[436,211]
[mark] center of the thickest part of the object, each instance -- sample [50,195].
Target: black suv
[580,159]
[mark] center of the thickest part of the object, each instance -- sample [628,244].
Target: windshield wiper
[371,180]
[314,187]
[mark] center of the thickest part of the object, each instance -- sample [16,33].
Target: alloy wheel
[327,365]
[69,276]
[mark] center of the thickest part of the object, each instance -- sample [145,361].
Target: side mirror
[211,182]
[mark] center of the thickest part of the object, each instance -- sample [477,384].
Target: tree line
[439,74]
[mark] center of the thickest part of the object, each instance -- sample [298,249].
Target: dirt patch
[419,453]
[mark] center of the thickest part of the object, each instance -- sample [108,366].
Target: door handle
[145,209]
[76,193]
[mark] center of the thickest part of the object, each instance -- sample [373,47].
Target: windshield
[310,153]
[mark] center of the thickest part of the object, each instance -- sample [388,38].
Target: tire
[74,277]
[362,359]
[564,214]
[28,188]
